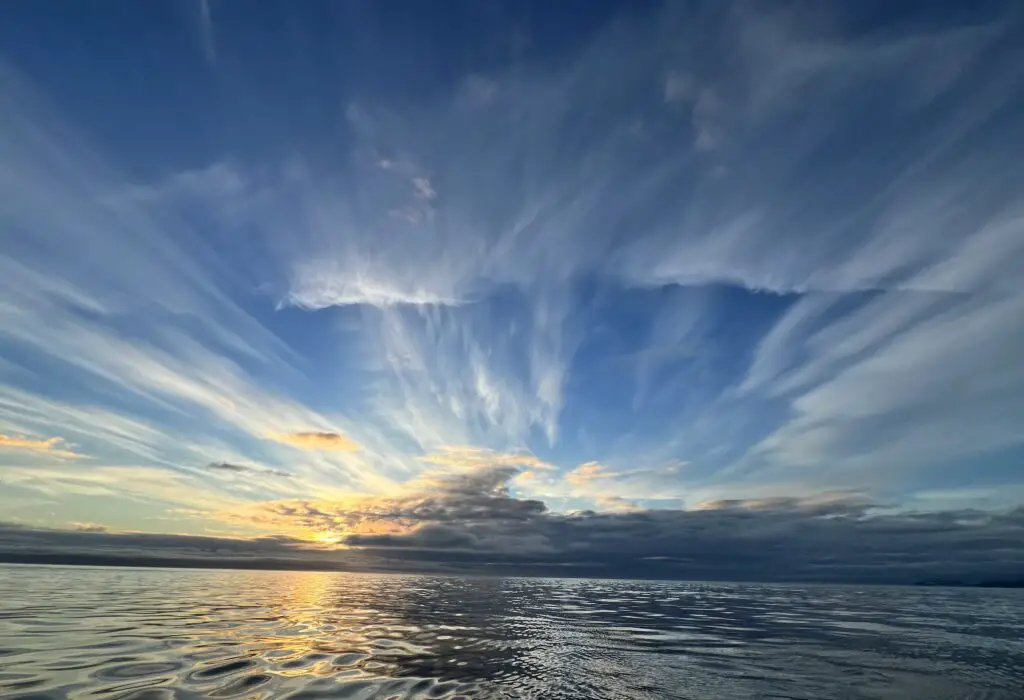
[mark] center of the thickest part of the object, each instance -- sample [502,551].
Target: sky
[721,289]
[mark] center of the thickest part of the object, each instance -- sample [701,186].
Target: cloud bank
[469,521]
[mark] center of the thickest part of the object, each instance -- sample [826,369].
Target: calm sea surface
[150,633]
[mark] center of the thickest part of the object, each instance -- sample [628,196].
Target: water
[155,634]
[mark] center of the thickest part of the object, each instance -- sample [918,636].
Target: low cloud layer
[828,537]
[468,521]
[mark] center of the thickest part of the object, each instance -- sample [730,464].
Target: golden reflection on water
[157,635]
[297,623]
[326,625]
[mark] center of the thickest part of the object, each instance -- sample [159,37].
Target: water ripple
[162,635]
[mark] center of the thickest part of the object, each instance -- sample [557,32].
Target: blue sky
[630,256]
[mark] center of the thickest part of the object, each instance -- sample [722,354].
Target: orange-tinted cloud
[88,527]
[322,521]
[317,440]
[587,473]
[616,504]
[463,483]
[50,446]
[464,457]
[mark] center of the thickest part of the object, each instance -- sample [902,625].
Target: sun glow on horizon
[327,537]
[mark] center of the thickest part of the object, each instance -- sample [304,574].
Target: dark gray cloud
[471,519]
[20,543]
[787,541]
[443,496]
[229,467]
[469,522]
[245,469]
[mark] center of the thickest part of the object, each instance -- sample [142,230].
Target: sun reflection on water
[195,634]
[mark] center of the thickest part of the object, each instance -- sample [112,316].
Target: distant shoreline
[170,563]
[1009,583]
[114,561]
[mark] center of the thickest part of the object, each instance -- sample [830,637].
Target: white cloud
[153,485]
[112,294]
[908,378]
[47,447]
[540,193]
[466,375]
[320,286]
[206,35]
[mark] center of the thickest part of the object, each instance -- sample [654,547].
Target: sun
[327,537]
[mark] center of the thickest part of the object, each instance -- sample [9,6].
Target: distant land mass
[1002,583]
[508,569]
[70,559]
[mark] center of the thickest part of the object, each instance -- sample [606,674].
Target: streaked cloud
[150,484]
[466,457]
[244,469]
[316,440]
[613,503]
[207,39]
[53,447]
[320,288]
[588,473]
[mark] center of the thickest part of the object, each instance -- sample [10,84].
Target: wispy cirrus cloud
[207,39]
[316,440]
[152,485]
[466,457]
[136,348]
[521,214]
[245,469]
[588,473]
[52,447]
[323,287]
